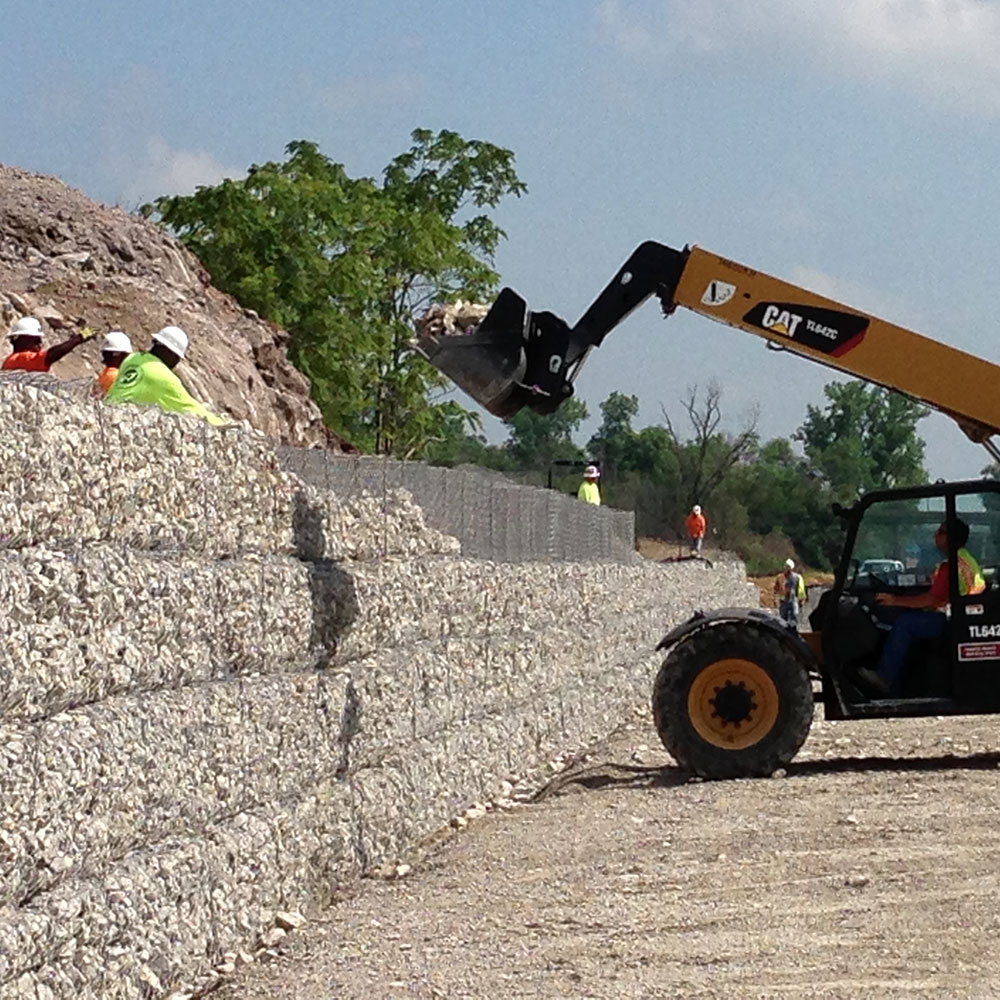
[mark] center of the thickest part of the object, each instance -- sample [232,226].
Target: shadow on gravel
[608,775]
[625,776]
[945,762]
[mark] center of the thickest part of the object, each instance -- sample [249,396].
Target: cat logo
[780,320]
[820,328]
[718,293]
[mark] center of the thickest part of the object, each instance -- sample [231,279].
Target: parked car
[881,567]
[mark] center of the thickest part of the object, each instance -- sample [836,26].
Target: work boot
[873,682]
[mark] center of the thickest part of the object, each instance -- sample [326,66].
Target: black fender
[753,616]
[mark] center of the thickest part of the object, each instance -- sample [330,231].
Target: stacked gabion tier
[223,691]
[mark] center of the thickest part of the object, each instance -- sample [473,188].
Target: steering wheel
[882,585]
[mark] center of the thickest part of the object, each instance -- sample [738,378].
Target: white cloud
[944,51]
[360,93]
[163,170]
[857,295]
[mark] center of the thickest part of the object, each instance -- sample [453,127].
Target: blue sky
[849,146]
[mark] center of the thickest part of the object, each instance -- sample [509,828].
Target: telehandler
[735,694]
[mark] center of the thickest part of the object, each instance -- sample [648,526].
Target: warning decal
[979,650]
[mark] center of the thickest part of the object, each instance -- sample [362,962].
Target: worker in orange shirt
[27,353]
[115,349]
[696,528]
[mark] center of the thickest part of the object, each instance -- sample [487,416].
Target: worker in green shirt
[147,377]
[588,491]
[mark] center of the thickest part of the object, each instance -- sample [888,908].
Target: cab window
[895,546]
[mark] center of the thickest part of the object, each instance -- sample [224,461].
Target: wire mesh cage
[493,517]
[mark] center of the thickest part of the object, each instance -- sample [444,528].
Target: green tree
[864,439]
[614,441]
[458,441]
[345,265]
[536,440]
[786,499]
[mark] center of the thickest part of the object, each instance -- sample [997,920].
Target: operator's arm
[936,597]
[57,351]
[923,601]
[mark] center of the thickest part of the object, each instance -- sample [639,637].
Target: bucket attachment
[514,358]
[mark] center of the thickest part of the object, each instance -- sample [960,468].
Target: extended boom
[517,357]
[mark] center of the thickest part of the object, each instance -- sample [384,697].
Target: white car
[881,567]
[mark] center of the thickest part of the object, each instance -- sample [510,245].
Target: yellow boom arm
[517,357]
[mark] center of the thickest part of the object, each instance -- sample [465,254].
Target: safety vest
[970,575]
[800,588]
[144,379]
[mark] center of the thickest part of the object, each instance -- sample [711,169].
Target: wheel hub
[733,703]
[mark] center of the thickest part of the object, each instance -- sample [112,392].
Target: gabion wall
[222,691]
[492,517]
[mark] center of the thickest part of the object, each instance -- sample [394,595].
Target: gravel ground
[869,870]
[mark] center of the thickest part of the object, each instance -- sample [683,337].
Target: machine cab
[893,548]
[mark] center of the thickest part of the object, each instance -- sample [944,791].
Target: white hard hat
[173,338]
[695,509]
[789,564]
[117,342]
[27,326]
[591,472]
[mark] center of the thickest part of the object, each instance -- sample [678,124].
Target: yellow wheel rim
[733,704]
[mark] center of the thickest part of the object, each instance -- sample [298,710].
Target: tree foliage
[864,439]
[346,264]
[536,440]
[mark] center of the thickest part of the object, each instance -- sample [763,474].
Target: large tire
[731,701]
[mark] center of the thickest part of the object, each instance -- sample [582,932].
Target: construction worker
[588,491]
[793,590]
[925,617]
[27,353]
[115,349]
[695,525]
[147,377]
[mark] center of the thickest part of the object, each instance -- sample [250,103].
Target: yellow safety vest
[970,575]
[588,492]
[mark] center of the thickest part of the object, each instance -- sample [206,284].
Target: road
[869,870]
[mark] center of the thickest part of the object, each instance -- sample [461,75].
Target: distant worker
[147,378]
[115,349]
[696,528]
[793,591]
[27,353]
[588,491]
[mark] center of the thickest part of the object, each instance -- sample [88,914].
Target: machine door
[897,550]
[894,552]
[975,617]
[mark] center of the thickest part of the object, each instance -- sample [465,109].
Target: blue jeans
[908,626]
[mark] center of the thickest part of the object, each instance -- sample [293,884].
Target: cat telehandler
[736,692]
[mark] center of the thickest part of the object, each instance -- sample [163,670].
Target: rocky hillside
[74,262]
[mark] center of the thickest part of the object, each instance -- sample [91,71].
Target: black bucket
[490,363]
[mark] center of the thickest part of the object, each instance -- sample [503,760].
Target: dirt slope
[869,871]
[74,262]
